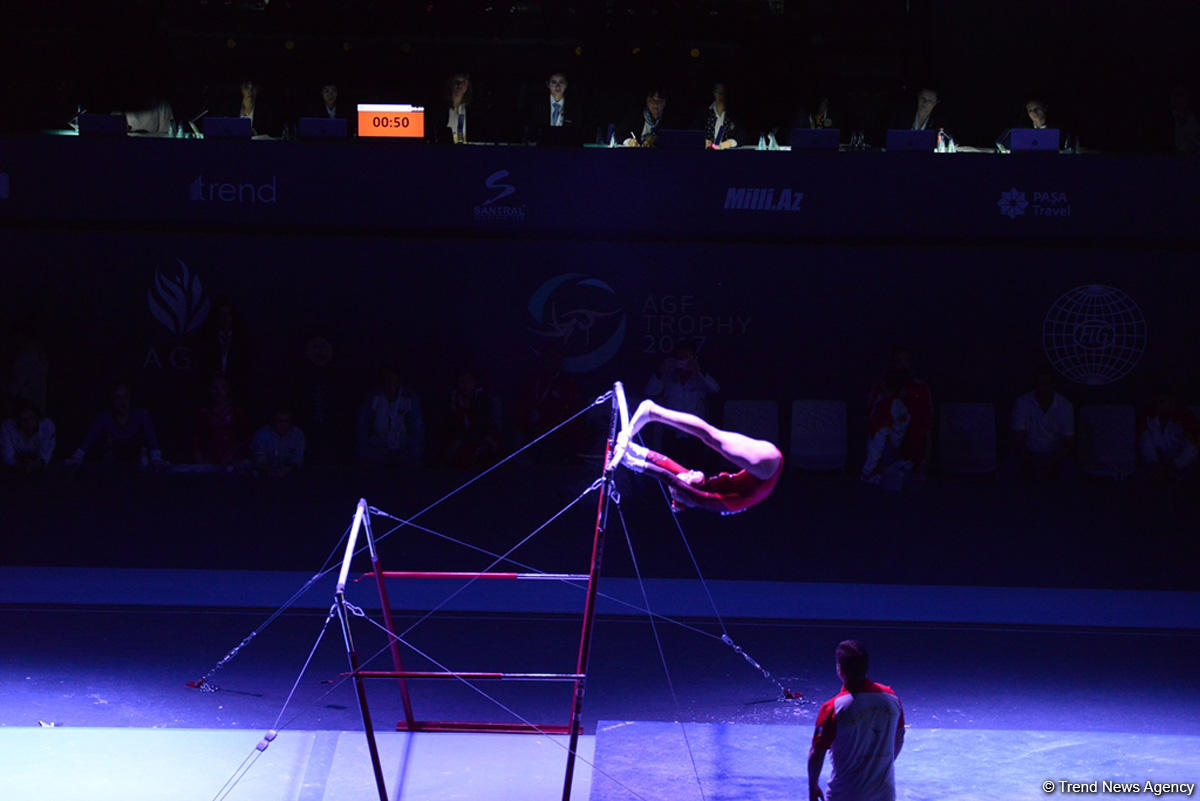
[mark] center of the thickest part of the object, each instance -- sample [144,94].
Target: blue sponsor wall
[438,260]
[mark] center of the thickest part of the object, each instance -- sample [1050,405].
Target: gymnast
[726,493]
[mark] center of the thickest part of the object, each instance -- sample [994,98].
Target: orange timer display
[391,119]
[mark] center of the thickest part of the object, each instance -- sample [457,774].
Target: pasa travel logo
[492,210]
[1014,203]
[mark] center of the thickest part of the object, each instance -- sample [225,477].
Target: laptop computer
[322,128]
[102,125]
[226,127]
[902,140]
[1033,140]
[816,138]
[679,139]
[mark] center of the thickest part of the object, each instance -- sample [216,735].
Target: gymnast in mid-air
[760,462]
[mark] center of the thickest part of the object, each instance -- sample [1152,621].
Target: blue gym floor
[96,703]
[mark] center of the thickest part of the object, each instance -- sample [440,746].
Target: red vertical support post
[393,645]
[589,609]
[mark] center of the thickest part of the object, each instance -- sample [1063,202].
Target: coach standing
[863,726]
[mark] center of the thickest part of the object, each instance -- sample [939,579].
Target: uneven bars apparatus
[618,420]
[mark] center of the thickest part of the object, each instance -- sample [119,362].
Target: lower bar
[482,727]
[442,674]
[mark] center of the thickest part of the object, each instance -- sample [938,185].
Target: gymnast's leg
[757,457]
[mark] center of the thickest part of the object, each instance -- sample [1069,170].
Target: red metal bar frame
[575,723]
[458,574]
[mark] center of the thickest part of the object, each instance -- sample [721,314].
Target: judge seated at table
[720,129]
[641,128]
[551,117]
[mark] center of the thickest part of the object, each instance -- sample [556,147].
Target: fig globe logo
[1094,334]
[1012,203]
[582,317]
[177,300]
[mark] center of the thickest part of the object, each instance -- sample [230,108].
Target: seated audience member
[1185,124]
[278,448]
[720,130]
[472,430]
[553,111]
[390,427]
[680,383]
[546,398]
[328,106]
[27,440]
[900,422]
[222,428]
[262,119]
[446,123]
[156,117]
[821,116]
[121,434]
[922,118]
[1043,432]
[1167,438]
[641,128]
[1036,111]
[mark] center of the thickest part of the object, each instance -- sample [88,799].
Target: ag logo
[582,317]
[177,300]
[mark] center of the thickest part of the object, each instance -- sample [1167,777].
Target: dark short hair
[852,658]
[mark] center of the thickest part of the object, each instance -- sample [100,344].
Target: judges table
[519,191]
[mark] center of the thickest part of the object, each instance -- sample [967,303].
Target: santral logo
[228,192]
[758,198]
[1014,203]
[491,209]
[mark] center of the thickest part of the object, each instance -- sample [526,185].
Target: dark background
[1104,68]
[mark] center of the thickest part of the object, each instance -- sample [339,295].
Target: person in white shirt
[1043,431]
[391,429]
[27,441]
[719,128]
[680,383]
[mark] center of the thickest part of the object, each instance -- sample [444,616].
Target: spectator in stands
[899,390]
[821,116]
[720,130]
[329,107]
[1043,432]
[553,111]
[546,398]
[29,370]
[222,428]
[472,426]
[923,118]
[124,434]
[887,463]
[1186,126]
[448,122]
[222,349]
[323,403]
[641,128]
[27,440]
[391,429]
[278,448]
[681,383]
[263,121]
[1036,111]
[1167,438]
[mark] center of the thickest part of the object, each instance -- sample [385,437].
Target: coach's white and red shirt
[861,731]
